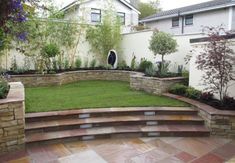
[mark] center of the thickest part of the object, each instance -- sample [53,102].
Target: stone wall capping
[220,122]
[15,93]
[209,109]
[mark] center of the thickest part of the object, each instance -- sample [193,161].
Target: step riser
[124,135]
[93,115]
[58,128]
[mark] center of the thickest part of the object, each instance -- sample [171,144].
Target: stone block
[10,143]
[8,124]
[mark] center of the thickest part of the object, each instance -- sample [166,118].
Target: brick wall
[12,124]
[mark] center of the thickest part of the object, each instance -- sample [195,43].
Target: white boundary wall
[137,44]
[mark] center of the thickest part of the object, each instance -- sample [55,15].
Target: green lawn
[91,94]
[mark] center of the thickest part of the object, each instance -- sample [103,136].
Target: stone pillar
[12,123]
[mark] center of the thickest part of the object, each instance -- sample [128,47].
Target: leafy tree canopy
[149,8]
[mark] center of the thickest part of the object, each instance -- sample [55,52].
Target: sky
[165,4]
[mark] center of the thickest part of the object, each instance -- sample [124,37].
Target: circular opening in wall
[112,58]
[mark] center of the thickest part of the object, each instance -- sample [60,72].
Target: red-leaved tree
[216,61]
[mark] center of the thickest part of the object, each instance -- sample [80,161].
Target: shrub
[78,63]
[192,93]
[50,50]
[229,101]
[122,65]
[178,89]
[66,64]
[4,88]
[149,71]
[206,96]
[133,63]
[93,63]
[54,64]
[144,64]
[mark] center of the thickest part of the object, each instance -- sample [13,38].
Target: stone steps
[89,113]
[72,123]
[92,133]
[101,123]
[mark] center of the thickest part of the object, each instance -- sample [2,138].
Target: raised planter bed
[221,122]
[138,81]
[12,121]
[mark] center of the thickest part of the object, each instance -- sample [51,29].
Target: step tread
[105,110]
[37,137]
[73,121]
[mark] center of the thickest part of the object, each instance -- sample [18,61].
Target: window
[189,20]
[175,22]
[122,16]
[95,15]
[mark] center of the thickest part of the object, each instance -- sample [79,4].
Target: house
[191,19]
[92,11]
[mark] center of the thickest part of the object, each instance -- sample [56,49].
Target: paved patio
[131,150]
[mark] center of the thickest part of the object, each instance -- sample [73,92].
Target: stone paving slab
[129,150]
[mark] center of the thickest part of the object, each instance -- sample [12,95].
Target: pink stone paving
[129,150]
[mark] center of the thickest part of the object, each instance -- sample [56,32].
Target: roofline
[186,13]
[76,2]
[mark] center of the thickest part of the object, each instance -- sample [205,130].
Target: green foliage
[147,9]
[86,63]
[105,36]
[162,43]
[133,63]
[54,64]
[144,64]
[192,93]
[122,65]
[78,62]
[4,88]
[66,64]
[93,63]
[14,65]
[50,50]
[150,71]
[178,89]
[45,36]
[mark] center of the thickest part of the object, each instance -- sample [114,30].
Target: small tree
[216,61]
[163,44]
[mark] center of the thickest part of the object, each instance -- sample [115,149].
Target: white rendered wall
[137,44]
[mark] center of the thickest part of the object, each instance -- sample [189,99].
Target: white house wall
[84,11]
[210,18]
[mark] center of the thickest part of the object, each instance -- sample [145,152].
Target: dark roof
[192,8]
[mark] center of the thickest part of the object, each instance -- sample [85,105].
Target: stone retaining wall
[221,123]
[70,77]
[152,84]
[12,123]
